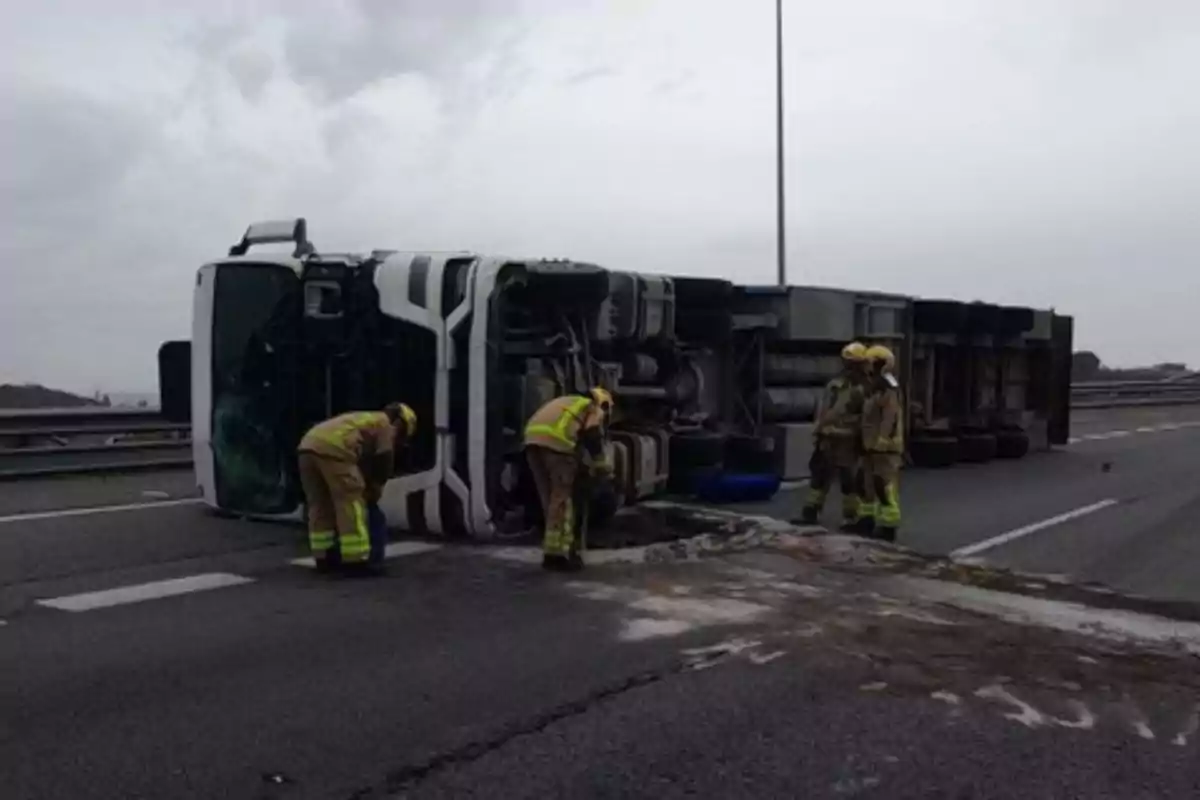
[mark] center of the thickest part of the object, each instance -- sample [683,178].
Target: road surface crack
[408,776]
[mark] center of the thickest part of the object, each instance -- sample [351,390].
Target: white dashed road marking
[1017,533]
[90,601]
[158,590]
[393,550]
[1120,434]
[84,512]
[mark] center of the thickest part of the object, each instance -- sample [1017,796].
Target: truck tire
[754,454]
[684,480]
[977,448]
[696,449]
[1012,444]
[935,452]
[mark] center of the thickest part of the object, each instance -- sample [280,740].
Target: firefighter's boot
[809,515]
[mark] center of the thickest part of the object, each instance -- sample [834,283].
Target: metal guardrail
[81,440]
[76,441]
[1126,388]
[1183,390]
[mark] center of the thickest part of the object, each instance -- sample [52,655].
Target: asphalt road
[1145,542]
[461,674]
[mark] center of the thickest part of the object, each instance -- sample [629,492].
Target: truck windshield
[253,440]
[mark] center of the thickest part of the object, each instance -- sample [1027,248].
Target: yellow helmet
[402,412]
[855,351]
[877,353]
[601,397]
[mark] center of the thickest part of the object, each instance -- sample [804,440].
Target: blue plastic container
[737,487]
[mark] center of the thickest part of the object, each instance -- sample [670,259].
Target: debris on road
[1042,651]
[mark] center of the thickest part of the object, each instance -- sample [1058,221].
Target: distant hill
[31,395]
[1086,366]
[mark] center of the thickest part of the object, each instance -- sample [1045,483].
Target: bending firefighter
[564,440]
[883,447]
[344,462]
[836,439]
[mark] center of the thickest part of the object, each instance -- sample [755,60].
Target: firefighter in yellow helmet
[563,438]
[883,446]
[836,439]
[344,462]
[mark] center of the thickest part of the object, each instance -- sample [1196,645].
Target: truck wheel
[977,447]
[754,454]
[1012,444]
[696,449]
[934,453]
[683,480]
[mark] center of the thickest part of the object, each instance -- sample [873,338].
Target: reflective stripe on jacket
[883,417]
[840,412]
[351,437]
[557,424]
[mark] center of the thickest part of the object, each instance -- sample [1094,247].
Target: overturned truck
[708,375]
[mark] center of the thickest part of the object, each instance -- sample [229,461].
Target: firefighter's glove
[601,468]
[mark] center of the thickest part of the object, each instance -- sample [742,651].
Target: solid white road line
[393,550]
[90,601]
[83,512]
[1005,538]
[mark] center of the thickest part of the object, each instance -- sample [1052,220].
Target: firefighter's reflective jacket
[840,412]
[355,436]
[569,424]
[883,417]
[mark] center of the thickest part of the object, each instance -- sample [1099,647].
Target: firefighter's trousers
[337,510]
[833,456]
[881,484]
[554,474]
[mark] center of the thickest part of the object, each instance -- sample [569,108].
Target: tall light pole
[781,235]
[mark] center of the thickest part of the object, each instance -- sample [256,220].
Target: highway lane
[792,728]
[90,491]
[1140,544]
[1143,460]
[329,684]
[461,675]
[75,553]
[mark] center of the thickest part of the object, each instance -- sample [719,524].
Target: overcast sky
[1040,152]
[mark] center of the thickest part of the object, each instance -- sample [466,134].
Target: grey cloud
[250,69]
[674,84]
[1035,151]
[391,37]
[589,75]
[65,155]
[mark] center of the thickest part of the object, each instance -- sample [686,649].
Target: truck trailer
[708,375]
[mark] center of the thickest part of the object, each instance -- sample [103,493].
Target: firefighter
[344,462]
[835,439]
[563,439]
[883,446]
